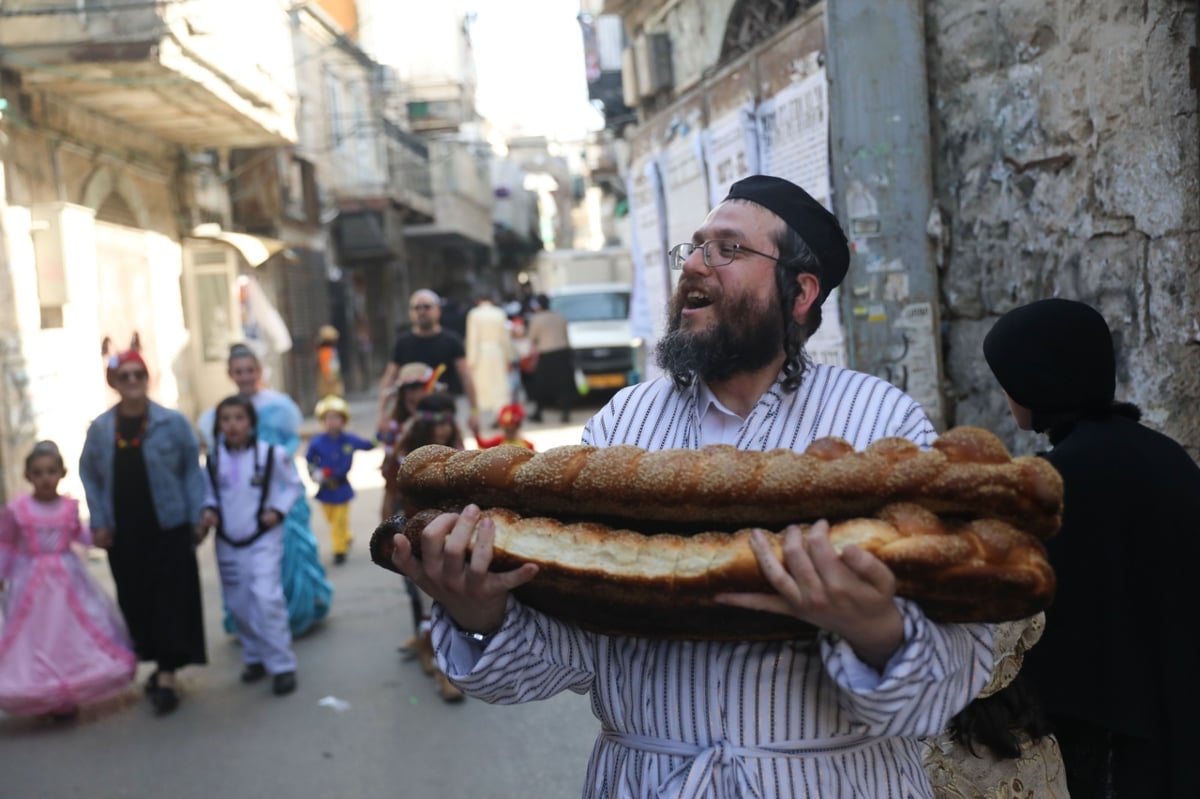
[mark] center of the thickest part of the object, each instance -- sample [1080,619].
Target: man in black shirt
[428,342]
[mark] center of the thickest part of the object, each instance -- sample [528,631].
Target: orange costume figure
[509,420]
[329,365]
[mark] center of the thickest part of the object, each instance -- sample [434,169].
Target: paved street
[395,739]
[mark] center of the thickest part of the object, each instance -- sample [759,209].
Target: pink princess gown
[63,642]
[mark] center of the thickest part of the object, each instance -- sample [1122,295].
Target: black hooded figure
[1116,670]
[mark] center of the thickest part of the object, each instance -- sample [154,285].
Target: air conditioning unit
[652,59]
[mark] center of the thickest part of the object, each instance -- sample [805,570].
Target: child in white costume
[250,487]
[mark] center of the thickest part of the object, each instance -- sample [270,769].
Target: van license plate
[606,381]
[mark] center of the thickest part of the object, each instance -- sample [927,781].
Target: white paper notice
[649,257]
[793,140]
[919,363]
[793,129]
[730,152]
[686,188]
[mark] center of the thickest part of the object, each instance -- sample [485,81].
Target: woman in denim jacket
[141,472]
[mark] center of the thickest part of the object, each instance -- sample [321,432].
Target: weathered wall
[696,28]
[1067,163]
[120,278]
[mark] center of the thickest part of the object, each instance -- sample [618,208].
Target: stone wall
[1067,163]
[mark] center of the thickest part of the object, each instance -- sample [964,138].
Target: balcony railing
[408,161]
[462,193]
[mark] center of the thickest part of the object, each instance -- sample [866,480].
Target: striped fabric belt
[720,770]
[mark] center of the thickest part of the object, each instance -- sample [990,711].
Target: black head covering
[811,221]
[1053,356]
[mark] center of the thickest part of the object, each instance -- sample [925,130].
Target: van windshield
[600,306]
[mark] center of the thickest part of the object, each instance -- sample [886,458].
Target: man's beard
[746,337]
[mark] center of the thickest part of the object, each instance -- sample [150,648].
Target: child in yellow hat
[330,455]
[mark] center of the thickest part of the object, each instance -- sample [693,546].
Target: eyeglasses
[130,377]
[421,307]
[716,252]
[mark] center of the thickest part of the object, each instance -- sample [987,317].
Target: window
[600,306]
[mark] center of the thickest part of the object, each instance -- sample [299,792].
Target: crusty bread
[967,472]
[641,541]
[624,582]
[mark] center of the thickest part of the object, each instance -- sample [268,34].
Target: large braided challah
[641,541]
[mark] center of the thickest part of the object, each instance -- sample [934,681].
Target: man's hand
[850,594]
[270,518]
[102,537]
[209,518]
[474,597]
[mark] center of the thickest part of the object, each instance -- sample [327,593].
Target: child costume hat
[511,415]
[413,373]
[333,404]
[417,373]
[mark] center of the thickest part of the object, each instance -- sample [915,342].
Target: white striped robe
[846,730]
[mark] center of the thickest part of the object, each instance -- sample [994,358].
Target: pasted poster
[730,151]
[915,366]
[649,254]
[685,184]
[793,130]
[793,143]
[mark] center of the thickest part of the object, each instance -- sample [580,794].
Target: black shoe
[164,699]
[151,683]
[283,683]
[253,672]
[339,558]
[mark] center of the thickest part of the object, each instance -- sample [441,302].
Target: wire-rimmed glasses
[716,252]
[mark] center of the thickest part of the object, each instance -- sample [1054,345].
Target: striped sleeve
[937,670]
[530,657]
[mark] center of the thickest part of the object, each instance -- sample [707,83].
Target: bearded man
[722,719]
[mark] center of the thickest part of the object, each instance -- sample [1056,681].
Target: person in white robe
[251,486]
[490,356]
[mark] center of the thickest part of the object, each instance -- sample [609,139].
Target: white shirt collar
[718,424]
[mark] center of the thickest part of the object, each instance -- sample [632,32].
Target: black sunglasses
[422,307]
[129,377]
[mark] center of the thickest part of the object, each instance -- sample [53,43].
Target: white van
[597,317]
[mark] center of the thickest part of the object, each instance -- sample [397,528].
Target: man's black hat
[797,208]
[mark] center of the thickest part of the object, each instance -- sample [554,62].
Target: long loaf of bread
[968,472]
[618,581]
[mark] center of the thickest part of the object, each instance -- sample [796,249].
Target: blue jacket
[172,462]
[330,458]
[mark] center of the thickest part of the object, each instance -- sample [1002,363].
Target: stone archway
[115,199]
[752,21]
[126,296]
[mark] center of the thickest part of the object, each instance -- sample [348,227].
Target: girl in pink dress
[63,642]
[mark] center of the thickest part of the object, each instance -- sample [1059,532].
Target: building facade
[980,155]
[110,123]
